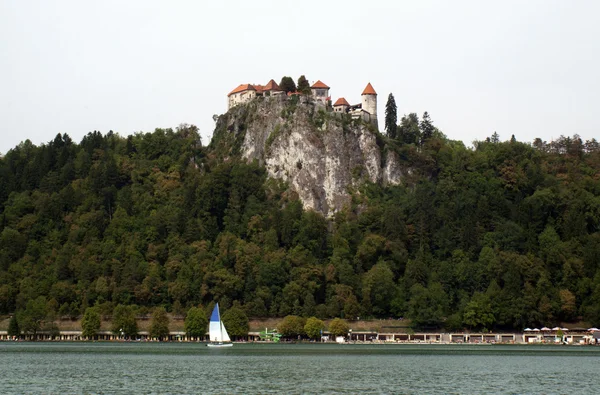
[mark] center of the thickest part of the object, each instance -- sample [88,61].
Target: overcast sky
[528,68]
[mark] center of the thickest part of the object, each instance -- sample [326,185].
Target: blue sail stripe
[214,317]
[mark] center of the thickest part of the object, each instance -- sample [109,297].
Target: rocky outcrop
[321,155]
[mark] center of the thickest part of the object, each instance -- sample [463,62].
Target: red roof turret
[369,90]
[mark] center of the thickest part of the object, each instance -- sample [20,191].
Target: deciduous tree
[236,322]
[159,326]
[196,323]
[90,323]
[314,327]
[338,327]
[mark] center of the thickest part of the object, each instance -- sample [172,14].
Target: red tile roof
[341,102]
[369,90]
[272,86]
[242,88]
[319,84]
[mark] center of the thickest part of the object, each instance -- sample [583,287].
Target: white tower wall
[369,104]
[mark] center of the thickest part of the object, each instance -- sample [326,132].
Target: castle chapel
[366,109]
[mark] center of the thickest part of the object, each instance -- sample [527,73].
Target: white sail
[216,329]
[224,333]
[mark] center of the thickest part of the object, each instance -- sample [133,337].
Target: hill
[290,210]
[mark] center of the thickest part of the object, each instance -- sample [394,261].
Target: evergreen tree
[303,85]
[391,117]
[13,327]
[427,128]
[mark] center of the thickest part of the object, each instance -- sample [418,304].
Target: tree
[314,327]
[495,138]
[291,326]
[427,306]
[90,323]
[379,288]
[30,320]
[13,327]
[409,131]
[287,84]
[427,128]
[478,312]
[236,322]
[159,327]
[338,327]
[391,117]
[303,85]
[124,322]
[195,322]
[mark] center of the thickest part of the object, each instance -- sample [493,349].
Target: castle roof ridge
[242,88]
[341,102]
[319,84]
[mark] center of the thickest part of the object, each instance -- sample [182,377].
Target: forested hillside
[502,235]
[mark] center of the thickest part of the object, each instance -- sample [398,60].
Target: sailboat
[216,330]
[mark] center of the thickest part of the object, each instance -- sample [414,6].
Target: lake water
[192,368]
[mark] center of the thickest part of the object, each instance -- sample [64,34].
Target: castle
[367,109]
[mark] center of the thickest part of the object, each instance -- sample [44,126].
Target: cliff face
[321,155]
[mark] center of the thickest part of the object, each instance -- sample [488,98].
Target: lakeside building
[380,337]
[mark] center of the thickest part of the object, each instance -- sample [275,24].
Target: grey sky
[529,68]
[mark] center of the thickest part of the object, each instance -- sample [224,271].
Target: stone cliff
[322,156]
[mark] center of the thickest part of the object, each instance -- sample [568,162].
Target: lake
[193,368]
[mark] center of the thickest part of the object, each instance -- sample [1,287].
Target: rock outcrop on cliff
[322,156]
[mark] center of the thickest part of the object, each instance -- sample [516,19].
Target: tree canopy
[500,235]
[159,326]
[90,323]
[196,322]
[236,321]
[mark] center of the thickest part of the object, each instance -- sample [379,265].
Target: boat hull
[219,345]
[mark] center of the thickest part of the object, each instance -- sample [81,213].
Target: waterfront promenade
[574,337]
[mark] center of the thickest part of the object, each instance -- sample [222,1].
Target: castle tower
[320,92]
[369,103]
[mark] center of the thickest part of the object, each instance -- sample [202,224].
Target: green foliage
[196,323]
[236,322]
[427,307]
[13,327]
[159,326]
[303,85]
[338,327]
[291,326]
[90,323]
[30,320]
[499,236]
[391,117]
[409,132]
[314,327]
[277,130]
[124,321]
[287,84]
[478,312]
